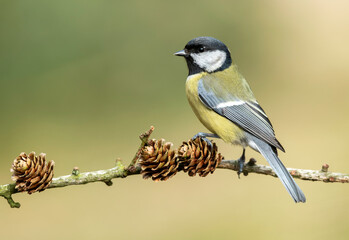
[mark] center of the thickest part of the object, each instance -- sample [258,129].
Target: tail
[266,150]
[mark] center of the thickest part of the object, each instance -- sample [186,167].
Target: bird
[224,103]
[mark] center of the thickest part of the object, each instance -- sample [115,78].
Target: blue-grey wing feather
[247,114]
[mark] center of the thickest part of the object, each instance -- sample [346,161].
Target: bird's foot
[209,143]
[241,163]
[204,136]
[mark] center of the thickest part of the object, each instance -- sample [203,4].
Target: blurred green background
[80,80]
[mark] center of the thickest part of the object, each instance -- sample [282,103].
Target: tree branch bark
[322,175]
[120,171]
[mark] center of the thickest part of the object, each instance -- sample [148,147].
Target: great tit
[224,103]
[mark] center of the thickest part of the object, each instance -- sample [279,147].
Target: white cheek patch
[210,61]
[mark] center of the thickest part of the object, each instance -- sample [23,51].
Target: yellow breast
[217,124]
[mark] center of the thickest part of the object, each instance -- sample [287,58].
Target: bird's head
[205,54]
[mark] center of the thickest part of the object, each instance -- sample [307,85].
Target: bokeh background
[80,80]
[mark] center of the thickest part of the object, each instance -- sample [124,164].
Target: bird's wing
[247,114]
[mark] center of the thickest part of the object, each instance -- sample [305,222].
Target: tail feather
[266,150]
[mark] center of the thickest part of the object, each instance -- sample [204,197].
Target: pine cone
[197,157]
[31,172]
[158,161]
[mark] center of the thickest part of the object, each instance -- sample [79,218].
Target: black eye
[201,49]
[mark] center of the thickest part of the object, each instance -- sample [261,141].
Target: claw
[209,143]
[198,135]
[204,136]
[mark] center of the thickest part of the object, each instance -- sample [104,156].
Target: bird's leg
[204,137]
[241,162]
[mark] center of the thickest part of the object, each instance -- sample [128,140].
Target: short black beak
[181,53]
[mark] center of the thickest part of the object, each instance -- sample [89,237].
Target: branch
[322,175]
[120,171]
[77,178]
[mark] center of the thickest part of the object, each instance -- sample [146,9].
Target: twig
[133,168]
[120,171]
